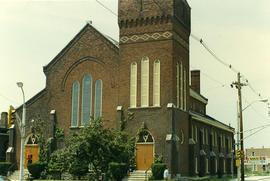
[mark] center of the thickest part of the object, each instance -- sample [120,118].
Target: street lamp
[262,100]
[20,85]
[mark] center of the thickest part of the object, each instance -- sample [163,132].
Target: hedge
[36,168]
[158,170]
[118,170]
[4,167]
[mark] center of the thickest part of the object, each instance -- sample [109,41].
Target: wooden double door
[144,155]
[30,150]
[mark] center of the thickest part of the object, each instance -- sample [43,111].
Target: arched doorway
[144,150]
[31,148]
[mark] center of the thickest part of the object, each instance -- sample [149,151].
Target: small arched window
[145,82]
[75,104]
[156,84]
[98,99]
[86,99]
[133,84]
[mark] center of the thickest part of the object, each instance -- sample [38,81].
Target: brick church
[147,74]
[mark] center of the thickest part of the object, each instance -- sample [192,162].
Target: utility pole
[239,85]
[238,140]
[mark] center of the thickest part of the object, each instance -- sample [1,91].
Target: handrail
[12,165]
[149,168]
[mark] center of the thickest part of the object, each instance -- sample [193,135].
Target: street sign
[256,160]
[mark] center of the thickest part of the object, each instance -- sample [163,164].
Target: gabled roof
[184,1]
[34,98]
[77,37]
[210,121]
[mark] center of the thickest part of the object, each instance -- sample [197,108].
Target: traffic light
[11,116]
[239,154]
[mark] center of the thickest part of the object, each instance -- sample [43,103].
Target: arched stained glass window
[156,84]
[75,104]
[98,99]
[86,99]
[133,84]
[144,82]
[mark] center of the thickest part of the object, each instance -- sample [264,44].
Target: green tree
[98,146]
[58,163]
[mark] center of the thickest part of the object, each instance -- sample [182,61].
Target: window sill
[149,107]
[74,127]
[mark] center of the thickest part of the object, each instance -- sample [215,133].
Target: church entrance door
[31,150]
[144,156]
[144,151]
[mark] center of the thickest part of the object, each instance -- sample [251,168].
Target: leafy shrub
[158,159]
[91,176]
[36,168]
[57,164]
[78,168]
[157,170]
[118,170]
[4,167]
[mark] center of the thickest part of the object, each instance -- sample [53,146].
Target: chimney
[195,80]
[4,120]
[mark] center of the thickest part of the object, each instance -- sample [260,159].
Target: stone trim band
[153,36]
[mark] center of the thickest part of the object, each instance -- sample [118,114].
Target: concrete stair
[16,175]
[138,175]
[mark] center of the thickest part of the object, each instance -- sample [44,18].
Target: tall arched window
[181,86]
[86,99]
[177,85]
[144,82]
[98,99]
[156,84]
[75,104]
[185,89]
[133,84]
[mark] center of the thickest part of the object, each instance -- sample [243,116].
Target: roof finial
[89,22]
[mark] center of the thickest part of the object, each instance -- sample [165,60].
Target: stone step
[138,175]
[16,175]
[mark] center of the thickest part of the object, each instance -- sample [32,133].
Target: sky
[32,33]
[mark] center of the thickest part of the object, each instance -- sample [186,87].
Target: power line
[200,40]
[8,99]
[224,63]
[255,132]
[106,8]
[256,128]
[262,116]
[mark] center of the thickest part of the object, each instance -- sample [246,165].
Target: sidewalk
[253,178]
[257,177]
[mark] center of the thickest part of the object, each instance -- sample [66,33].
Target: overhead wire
[256,128]
[8,99]
[107,8]
[254,132]
[262,116]
[200,40]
